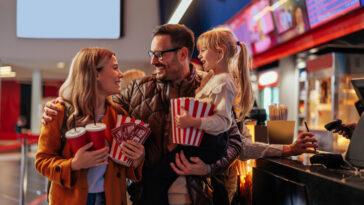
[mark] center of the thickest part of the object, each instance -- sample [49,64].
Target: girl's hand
[134,151]
[185,120]
[84,159]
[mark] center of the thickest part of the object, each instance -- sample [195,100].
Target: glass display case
[319,98]
[302,97]
[330,94]
[346,100]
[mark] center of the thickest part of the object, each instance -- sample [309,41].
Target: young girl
[227,84]
[87,177]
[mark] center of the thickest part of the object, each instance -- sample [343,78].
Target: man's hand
[184,167]
[50,110]
[84,159]
[305,143]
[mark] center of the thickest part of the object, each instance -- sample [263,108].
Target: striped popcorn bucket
[188,136]
[127,128]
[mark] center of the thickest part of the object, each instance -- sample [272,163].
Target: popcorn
[189,136]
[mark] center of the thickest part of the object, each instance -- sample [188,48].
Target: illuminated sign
[268,79]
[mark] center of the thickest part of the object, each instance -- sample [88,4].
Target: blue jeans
[96,198]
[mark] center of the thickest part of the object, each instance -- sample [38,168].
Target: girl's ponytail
[244,99]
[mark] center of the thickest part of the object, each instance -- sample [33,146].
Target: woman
[87,177]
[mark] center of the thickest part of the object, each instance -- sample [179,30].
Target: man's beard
[167,72]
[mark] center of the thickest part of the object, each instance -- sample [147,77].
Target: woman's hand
[84,159]
[134,151]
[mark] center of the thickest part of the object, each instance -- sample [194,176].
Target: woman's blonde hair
[239,63]
[129,76]
[80,87]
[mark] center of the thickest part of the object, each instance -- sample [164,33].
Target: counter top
[320,185]
[350,178]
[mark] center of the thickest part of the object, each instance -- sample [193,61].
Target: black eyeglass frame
[159,54]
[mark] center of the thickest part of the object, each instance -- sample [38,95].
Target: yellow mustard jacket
[70,187]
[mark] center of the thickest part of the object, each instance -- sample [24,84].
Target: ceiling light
[180,11]
[268,78]
[5,69]
[313,50]
[61,65]
[8,75]
[301,64]
[6,72]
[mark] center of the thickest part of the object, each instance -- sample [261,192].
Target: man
[148,99]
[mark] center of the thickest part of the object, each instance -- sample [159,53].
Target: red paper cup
[77,138]
[96,134]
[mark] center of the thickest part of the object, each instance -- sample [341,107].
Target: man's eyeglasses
[159,54]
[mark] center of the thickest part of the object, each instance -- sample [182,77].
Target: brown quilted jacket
[148,99]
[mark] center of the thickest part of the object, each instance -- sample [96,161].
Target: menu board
[240,29]
[290,18]
[260,25]
[265,23]
[322,11]
[283,15]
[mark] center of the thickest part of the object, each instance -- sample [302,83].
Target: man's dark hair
[181,35]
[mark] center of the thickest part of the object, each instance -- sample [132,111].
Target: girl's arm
[220,121]
[185,120]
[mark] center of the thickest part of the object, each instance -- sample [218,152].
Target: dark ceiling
[352,43]
[203,14]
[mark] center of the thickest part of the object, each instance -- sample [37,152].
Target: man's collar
[190,77]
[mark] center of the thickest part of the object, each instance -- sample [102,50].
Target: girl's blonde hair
[239,63]
[80,87]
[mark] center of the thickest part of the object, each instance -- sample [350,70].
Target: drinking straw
[308,131]
[74,123]
[94,116]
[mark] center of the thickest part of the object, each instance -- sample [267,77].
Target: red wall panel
[51,88]
[10,102]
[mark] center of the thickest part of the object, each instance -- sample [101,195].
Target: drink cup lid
[73,133]
[95,127]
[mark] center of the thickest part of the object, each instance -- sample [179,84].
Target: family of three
[92,92]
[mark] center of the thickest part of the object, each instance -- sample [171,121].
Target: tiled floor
[10,181]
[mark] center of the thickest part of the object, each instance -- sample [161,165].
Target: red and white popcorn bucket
[189,136]
[127,128]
